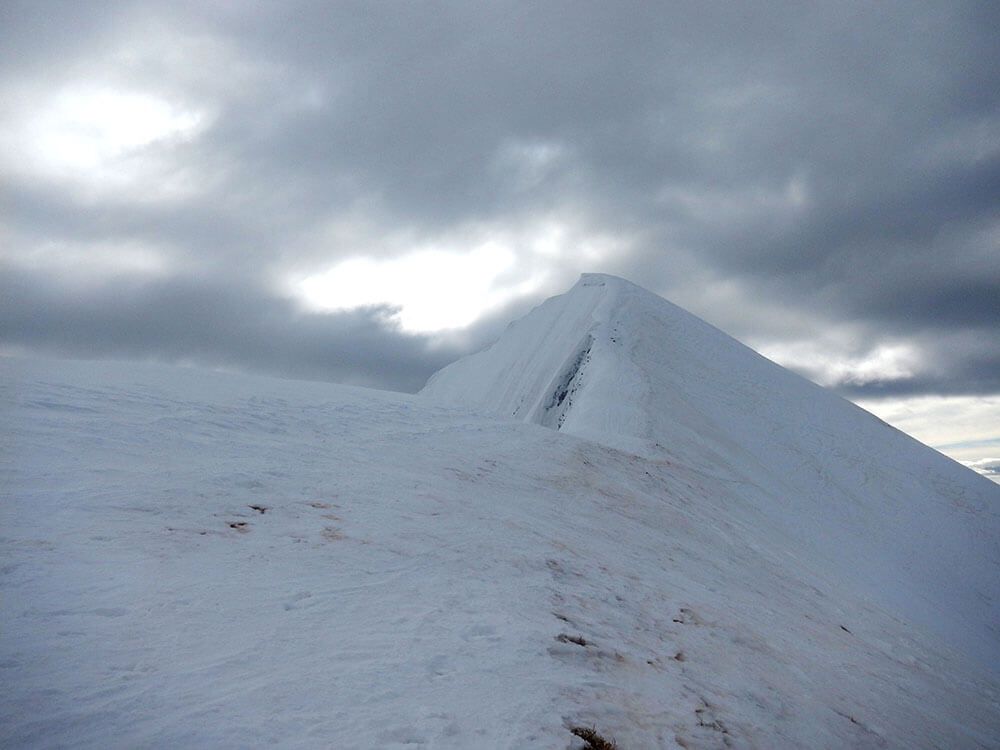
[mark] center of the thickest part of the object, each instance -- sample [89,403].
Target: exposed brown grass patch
[594,740]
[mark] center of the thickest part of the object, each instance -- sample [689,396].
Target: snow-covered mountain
[616,364]
[616,517]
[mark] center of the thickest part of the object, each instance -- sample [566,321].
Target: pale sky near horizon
[362,192]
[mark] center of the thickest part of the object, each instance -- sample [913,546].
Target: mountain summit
[613,363]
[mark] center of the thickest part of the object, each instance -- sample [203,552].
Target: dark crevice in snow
[561,399]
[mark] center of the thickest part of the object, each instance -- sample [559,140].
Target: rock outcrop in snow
[618,365]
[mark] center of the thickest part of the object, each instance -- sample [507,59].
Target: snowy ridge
[541,357]
[196,559]
[896,519]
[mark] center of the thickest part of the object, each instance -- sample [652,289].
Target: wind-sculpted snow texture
[194,559]
[893,518]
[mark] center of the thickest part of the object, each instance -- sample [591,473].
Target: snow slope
[196,559]
[616,364]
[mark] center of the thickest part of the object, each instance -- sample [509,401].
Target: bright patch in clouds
[87,134]
[453,280]
[83,129]
[884,363]
[435,290]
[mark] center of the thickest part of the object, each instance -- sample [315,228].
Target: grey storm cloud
[201,322]
[841,157]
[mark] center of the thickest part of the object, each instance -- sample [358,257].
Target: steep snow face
[193,559]
[616,364]
[555,367]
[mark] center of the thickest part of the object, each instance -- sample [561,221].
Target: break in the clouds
[989,467]
[362,191]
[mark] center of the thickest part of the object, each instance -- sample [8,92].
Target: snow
[198,559]
[895,519]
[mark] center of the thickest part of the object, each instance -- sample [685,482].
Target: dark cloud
[205,322]
[977,375]
[842,158]
[34,31]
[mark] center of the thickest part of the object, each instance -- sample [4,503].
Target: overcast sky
[362,192]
